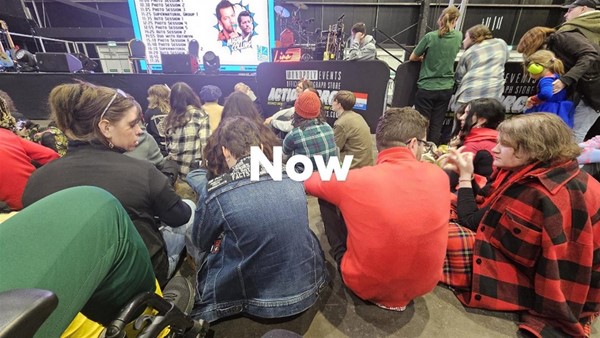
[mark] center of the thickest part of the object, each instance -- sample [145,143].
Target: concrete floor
[338,313]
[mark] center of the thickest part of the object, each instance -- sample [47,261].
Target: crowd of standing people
[505,218]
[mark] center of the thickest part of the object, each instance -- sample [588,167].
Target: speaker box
[179,63]
[58,62]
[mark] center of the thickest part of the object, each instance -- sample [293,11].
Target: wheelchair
[23,311]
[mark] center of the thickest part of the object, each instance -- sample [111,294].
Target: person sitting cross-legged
[396,216]
[533,245]
[102,123]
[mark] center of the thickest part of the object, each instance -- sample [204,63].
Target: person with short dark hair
[362,46]
[532,244]
[226,16]
[475,130]
[396,215]
[246,24]
[251,240]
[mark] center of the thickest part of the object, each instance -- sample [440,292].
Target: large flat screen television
[240,32]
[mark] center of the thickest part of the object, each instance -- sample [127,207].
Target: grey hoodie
[362,51]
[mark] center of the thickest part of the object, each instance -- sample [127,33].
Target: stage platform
[30,91]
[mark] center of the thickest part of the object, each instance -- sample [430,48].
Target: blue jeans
[175,239]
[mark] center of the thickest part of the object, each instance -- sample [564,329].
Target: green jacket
[587,24]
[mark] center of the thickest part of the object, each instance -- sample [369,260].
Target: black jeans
[335,229]
[433,104]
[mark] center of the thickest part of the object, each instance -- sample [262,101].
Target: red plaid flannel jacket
[537,250]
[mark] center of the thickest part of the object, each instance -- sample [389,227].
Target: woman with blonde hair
[480,70]
[581,59]
[437,51]
[532,245]
[546,68]
[158,108]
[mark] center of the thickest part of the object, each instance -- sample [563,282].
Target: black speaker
[179,64]
[58,62]
[87,64]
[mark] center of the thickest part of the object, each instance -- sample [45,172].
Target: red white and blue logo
[361,101]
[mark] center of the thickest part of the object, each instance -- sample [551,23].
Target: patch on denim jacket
[240,171]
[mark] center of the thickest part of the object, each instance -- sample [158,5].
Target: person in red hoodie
[18,157]
[396,217]
[475,130]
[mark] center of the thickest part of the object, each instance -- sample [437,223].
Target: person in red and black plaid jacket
[534,244]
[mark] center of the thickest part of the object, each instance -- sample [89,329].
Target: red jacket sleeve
[327,190]
[38,152]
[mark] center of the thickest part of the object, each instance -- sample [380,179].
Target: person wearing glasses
[395,214]
[101,124]
[475,130]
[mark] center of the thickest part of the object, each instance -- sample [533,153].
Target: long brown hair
[479,33]
[213,158]
[534,40]
[182,96]
[449,15]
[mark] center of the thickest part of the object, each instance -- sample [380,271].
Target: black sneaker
[180,292]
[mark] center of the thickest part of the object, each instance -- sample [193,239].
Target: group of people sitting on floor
[505,217]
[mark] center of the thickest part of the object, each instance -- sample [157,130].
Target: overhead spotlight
[26,61]
[211,62]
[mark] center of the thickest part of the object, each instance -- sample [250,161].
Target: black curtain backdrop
[30,91]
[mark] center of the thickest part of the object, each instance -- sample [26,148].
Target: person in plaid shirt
[534,244]
[480,69]
[311,135]
[187,128]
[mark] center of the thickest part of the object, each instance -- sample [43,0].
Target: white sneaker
[392,308]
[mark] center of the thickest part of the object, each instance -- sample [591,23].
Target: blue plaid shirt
[480,71]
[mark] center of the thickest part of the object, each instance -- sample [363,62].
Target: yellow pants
[82,327]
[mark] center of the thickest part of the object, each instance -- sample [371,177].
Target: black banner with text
[276,83]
